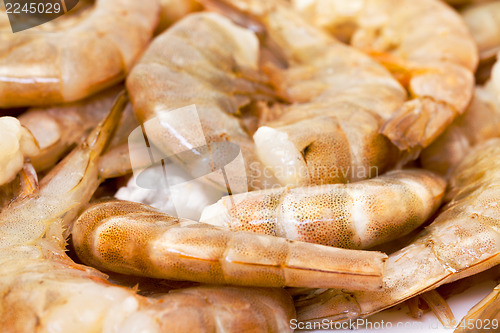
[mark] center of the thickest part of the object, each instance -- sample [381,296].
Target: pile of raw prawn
[365,174]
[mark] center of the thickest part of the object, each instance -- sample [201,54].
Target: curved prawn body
[16,143]
[479,123]
[462,241]
[483,20]
[48,65]
[136,239]
[357,215]
[339,98]
[218,61]
[436,68]
[482,316]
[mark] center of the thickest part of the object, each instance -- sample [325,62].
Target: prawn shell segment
[76,55]
[225,309]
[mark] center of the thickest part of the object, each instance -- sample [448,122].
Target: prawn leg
[482,316]
[63,191]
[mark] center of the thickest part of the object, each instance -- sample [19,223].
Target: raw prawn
[16,143]
[136,239]
[479,123]
[462,241]
[48,65]
[424,43]
[43,290]
[340,97]
[357,215]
